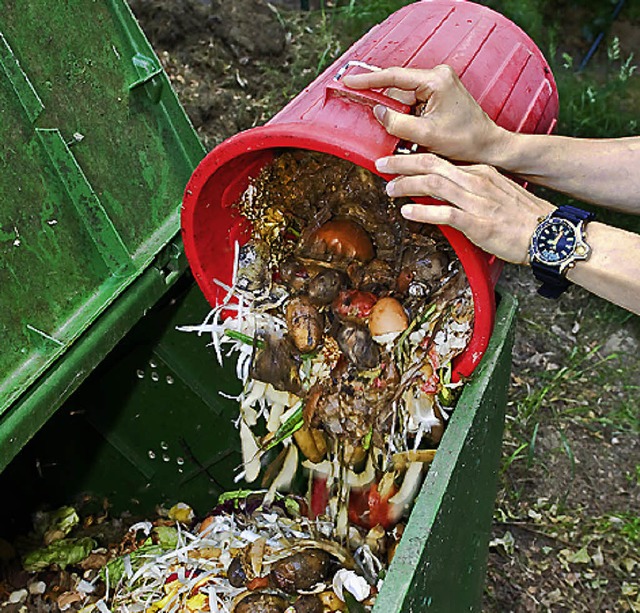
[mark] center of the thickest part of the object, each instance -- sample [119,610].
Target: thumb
[380,113]
[406,127]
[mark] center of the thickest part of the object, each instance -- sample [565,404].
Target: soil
[233,64]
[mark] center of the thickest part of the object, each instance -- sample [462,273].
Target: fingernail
[407,211]
[379,111]
[391,188]
[382,164]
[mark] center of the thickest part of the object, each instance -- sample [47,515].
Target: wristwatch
[557,243]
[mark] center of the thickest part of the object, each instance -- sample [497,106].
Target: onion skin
[341,239]
[331,601]
[396,534]
[311,404]
[312,443]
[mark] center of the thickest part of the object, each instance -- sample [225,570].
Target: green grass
[594,106]
[585,387]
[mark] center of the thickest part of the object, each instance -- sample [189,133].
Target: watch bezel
[579,251]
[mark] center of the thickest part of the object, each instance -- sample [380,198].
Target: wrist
[501,148]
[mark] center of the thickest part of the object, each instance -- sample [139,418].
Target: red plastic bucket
[498,63]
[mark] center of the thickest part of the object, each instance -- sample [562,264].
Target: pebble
[621,342]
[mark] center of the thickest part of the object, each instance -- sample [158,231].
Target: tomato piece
[431,385]
[359,507]
[319,498]
[354,304]
[368,508]
[380,511]
[187,575]
[258,583]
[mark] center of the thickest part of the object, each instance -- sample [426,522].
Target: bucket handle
[367,97]
[357,63]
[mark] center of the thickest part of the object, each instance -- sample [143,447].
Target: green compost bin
[99,392]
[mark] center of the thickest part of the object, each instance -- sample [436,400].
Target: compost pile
[345,320]
[245,556]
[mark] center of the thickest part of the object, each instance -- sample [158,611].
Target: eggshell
[387,315]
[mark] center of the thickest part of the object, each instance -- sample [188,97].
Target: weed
[507,461]
[593,107]
[558,384]
[630,527]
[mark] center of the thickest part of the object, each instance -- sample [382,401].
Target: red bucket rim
[297,136]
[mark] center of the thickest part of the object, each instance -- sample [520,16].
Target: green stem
[244,338]
[294,423]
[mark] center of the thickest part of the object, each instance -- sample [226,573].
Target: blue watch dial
[555,241]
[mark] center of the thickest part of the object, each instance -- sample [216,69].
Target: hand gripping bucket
[497,62]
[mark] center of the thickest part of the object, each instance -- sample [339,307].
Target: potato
[305,324]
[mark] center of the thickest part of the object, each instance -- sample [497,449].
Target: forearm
[452,125]
[612,271]
[601,171]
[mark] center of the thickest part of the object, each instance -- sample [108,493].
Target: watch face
[554,241]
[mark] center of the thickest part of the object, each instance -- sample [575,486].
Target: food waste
[344,321]
[244,556]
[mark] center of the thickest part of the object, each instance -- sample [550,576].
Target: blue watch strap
[554,283]
[573,214]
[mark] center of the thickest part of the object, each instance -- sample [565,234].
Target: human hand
[451,124]
[492,211]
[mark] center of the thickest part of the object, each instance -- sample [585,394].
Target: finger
[406,127]
[441,187]
[433,173]
[406,97]
[408,79]
[438,214]
[414,164]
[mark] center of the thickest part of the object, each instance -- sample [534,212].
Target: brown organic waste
[346,320]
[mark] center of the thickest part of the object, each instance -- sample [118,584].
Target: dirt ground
[563,535]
